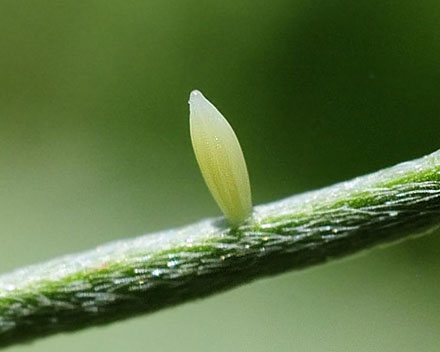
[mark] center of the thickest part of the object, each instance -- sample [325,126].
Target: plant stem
[154,271]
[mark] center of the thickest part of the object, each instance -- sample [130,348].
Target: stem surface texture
[154,271]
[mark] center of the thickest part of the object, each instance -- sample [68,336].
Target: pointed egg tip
[195,93]
[196,97]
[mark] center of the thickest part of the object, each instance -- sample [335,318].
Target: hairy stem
[154,271]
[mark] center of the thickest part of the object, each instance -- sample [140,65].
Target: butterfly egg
[220,159]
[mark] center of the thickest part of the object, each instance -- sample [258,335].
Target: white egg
[220,159]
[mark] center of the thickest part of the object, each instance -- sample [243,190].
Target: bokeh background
[94,146]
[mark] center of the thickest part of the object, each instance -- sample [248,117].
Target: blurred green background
[94,146]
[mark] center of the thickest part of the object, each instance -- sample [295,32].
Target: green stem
[141,275]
